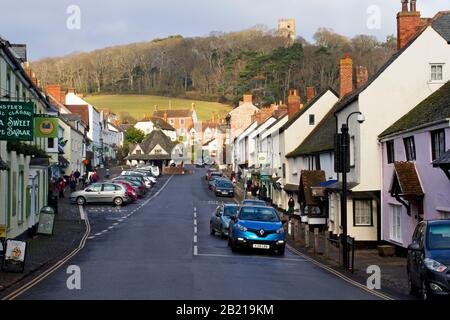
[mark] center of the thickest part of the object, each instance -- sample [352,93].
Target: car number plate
[224,192]
[261,246]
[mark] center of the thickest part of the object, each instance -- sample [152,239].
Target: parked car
[134,178]
[107,192]
[214,174]
[220,219]
[253,202]
[212,182]
[428,260]
[131,192]
[149,182]
[208,172]
[257,227]
[137,186]
[223,187]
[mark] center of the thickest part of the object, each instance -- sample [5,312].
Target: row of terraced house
[85,138]
[399,155]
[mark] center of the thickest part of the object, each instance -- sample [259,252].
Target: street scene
[281,162]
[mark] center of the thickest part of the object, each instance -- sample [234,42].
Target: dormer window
[436,72]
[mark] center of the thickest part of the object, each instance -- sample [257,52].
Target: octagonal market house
[156,149]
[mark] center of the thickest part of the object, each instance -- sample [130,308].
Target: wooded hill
[219,67]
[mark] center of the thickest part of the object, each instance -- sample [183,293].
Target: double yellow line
[56,266]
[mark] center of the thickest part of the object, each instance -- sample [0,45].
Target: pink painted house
[416,161]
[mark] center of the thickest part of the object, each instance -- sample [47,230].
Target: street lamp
[344,167]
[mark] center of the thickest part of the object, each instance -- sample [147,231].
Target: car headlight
[241,228]
[280,231]
[434,265]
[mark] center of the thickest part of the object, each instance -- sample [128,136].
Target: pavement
[160,248]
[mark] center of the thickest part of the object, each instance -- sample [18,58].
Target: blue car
[428,260]
[257,227]
[253,202]
[223,187]
[220,219]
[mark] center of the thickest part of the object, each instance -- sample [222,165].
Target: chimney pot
[294,103]
[409,23]
[413,6]
[404,5]
[248,98]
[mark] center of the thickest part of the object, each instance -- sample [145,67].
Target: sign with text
[15,254]
[46,223]
[46,127]
[2,231]
[16,120]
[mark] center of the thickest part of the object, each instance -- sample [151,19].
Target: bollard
[327,244]
[316,240]
[306,236]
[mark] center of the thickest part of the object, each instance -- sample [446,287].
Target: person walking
[291,205]
[95,177]
[73,184]
[61,187]
[263,193]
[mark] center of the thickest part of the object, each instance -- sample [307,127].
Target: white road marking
[195,229]
[91,237]
[103,231]
[82,213]
[115,224]
[250,257]
[195,239]
[110,227]
[195,222]
[195,251]
[98,234]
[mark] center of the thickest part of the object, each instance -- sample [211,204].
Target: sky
[54,28]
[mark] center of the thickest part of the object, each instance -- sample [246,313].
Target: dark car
[213,175]
[429,259]
[223,187]
[220,219]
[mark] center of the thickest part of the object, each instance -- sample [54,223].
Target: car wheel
[118,201]
[424,294]
[222,234]
[280,252]
[81,201]
[229,241]
[413,290]
[234,246]
[211,230]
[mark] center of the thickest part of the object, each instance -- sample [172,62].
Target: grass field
[138,105]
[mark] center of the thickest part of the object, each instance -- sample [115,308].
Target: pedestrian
[95,177]
[77,174]
[263,193]
[291,205]
[61,187]
[83,180]
[249,185]
[73,184]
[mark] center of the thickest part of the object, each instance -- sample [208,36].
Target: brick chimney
[409,23]
[55,91]
[71,90]
[293,103]
[248,98]
[362,75]
[165,116]
[310,93]
[346,75]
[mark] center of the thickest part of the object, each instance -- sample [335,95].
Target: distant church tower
[286,29]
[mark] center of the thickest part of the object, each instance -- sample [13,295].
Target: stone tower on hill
[286,29]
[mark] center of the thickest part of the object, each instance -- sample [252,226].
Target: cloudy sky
[42,24]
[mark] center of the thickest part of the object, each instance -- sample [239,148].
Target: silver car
[101,193]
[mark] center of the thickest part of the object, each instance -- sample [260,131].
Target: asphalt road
[148,250]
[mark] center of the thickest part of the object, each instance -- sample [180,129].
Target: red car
[130,190]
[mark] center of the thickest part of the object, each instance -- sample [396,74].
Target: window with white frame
[436,72]
[396,230]
[362,212]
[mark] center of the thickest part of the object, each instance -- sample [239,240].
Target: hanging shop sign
[16,120]
[46,126]
[15,253]
[262,158]
[2,231]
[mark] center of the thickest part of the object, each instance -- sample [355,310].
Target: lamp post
[345,168]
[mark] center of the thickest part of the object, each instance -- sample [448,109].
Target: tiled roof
[407,177]
[173,113]
[309,179]
[160,122]
[81,110]
[291,188]
[434,108]
[440,24]
[305,108]
[154,138]
[321,139]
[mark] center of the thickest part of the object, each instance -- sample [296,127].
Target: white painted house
[418,69]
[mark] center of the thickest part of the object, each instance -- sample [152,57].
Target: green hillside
[138,105]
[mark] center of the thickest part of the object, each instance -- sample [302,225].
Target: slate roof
[434,108]
[164,125]
[173,113]
[305,108]
[321,139]
[408,180]
[309,179]
[440,23]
